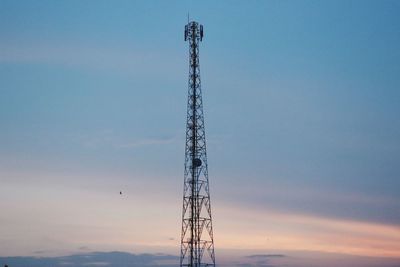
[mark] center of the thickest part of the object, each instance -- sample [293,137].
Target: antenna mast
[197,241]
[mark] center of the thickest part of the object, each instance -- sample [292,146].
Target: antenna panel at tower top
[194,31]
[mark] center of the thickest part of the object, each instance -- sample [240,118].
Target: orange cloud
[275,230]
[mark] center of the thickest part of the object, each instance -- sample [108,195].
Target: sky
[301,114]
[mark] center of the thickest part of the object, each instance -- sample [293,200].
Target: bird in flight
[120,192]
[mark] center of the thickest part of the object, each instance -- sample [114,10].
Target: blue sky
[301,108]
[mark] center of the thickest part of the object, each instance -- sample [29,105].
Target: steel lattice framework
[197,241]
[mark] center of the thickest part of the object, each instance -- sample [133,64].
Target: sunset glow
[301,108]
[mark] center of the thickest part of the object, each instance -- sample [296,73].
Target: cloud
[291,231]
[100,263]
[254,265]
[123,259]
[147,142]
[117,259]
[110,139]
[40,251]
[260,260]
[258,263]
[320,201]
[138,61]
[266,256]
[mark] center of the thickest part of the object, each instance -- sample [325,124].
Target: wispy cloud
[321,201]
[291,231]
[40,251]
[263,256]
[140,61]
[112,140]
[147,142]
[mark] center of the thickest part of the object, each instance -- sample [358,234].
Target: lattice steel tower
[197,241]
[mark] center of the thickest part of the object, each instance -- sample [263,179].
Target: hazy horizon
[239,258]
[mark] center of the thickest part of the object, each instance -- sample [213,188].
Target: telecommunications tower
[197,241]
